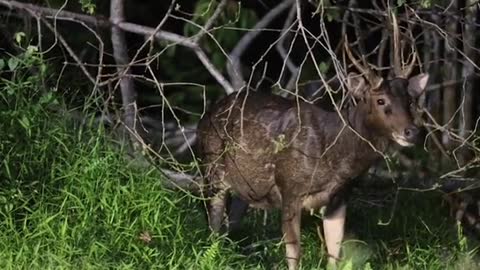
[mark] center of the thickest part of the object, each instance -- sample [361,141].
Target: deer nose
[411,133]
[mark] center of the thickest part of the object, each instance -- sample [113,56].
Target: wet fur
[277,153]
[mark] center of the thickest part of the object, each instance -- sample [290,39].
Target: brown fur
[291,155]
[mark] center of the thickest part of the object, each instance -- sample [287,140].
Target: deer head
[389,101]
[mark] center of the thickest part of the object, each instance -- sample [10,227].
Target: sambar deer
[292,155]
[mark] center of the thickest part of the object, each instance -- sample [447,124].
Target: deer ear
[356,84]
[417,84]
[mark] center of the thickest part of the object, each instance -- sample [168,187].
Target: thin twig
[128,27]
[211,21]
[70,52]
[234,65]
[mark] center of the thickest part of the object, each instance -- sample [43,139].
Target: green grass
[70,200]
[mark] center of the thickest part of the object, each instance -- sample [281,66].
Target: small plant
[279,143]
[88,6]
[462,239]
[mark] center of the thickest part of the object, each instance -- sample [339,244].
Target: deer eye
[381,102]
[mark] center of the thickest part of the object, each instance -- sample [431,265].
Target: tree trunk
[451,73]
[435,96]
[469,41]
[127,87]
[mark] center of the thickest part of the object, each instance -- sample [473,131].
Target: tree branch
[127,27]
[211,21]
[234,65]
[294,70]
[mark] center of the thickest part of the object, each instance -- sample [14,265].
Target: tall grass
[70,200]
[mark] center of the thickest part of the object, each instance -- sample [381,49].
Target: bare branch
[234,66]
[294,70]
[71,52]
[128,27]
[211,21]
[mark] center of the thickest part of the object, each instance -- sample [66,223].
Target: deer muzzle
[408,137]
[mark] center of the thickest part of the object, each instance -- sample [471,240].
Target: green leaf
[10,91]
[32,49]
[25,123]
[348,265]
[47,98]
[88,6]
[426,3]
[323,67]
[2,64]
[19,37]
[13,63]
[332,15]
[43,68]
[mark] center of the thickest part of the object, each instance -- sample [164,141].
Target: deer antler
[397,56]
[374,80]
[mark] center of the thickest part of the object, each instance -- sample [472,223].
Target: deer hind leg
[333,230]
[238,208]
[291,219]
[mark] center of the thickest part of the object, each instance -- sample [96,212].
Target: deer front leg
[333,229]
[216,191]
[291,218]
[216,210]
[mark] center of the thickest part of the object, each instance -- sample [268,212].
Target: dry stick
[451,52]
[70,52]
[100,64]
[160,25]
[64,43]
[359,32]
[189,141]
[54,26]
[168,105]
[376,12]
[439,86]
[283,53]
[303,30]
[446,36]
[127,72]
[128,27]
[181,40]
[295,77]
[382,48]
[234,66]
[211,21]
